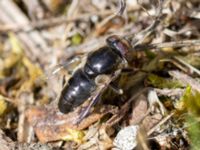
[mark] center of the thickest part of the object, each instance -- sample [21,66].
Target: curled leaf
[51,125]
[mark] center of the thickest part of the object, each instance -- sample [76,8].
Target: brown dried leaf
[97,137]
[151,121]
[51,125]
[139,110]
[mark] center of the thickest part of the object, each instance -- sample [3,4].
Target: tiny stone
[126,138]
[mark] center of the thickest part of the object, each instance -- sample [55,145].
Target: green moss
[161,82]
[194,132]
[191,101]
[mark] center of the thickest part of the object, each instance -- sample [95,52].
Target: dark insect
[99,71]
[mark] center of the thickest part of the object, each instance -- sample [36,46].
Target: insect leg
[63,81]
[85,111]
[115,88]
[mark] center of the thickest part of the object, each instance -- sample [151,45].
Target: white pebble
[126,138]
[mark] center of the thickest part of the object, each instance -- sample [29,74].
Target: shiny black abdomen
[82,83]
[77,90]
[102,61]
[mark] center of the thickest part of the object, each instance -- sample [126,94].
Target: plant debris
[153,103]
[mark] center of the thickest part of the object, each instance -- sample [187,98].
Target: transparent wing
[103,84]
[68,65]
[64,68]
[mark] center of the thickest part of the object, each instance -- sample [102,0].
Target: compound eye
[118,44]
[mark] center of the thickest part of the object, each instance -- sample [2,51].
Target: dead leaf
[97,137]
[151,121]
[139,110]
[51,125]
[185,79]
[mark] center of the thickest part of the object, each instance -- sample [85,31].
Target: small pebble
[126,138]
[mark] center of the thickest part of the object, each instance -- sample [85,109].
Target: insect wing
[96,96]
[64,69]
